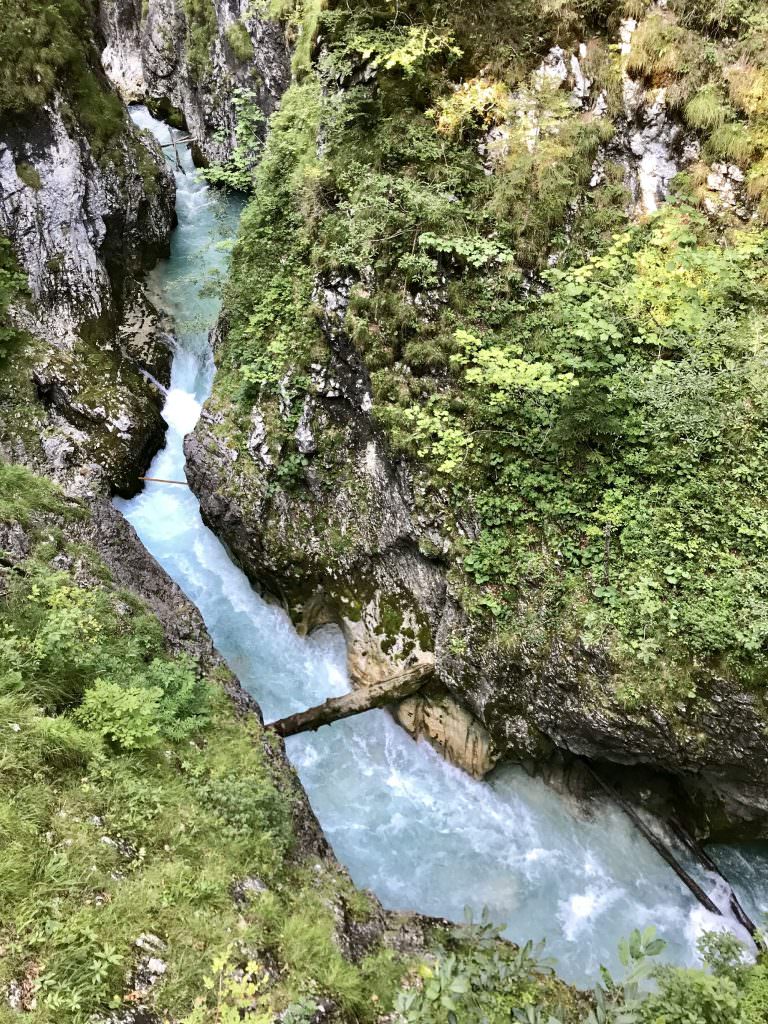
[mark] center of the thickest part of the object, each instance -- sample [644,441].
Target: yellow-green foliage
[748,87]
[480,102]
[756,995]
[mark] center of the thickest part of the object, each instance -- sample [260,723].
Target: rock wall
[356,542]
[81,228]
[149,57]
[84,224]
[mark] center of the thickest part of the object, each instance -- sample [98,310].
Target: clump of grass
[748,87]
[731,142]
[707,109]
[657,48]
[664,53]
[26,498]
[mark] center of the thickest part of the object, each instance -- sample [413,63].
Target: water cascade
[421,834]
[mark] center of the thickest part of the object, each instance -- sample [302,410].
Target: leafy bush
[756,995]
[126,716]
[238,173]
[481,981]
[692,997]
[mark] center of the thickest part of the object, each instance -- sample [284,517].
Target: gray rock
[147,58]
[67,232]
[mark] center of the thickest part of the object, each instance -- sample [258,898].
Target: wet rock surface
[81,400]
[82,229]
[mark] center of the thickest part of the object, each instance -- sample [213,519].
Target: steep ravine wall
[353,543]
[84,225]
[199,60]
[397,608]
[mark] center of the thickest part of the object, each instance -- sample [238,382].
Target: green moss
[240,41]
[28,174]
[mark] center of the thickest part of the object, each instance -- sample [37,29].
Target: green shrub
[248,805]
[756,995]
[40,42]
[126,716]
[692,997]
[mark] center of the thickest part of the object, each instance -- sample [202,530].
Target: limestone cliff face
[163,52]
[85,222]
[81,229]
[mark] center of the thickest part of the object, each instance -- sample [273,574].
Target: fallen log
[659,846]
[387,691]
[158,480]
[706,861]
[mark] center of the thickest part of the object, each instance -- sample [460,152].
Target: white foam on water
[419,832]
[181,411]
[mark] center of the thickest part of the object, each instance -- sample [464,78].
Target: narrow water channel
[418,832]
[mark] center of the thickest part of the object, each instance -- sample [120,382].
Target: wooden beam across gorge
[378,695]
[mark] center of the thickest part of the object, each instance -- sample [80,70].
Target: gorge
[358,559]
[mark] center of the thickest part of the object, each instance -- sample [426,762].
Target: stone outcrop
[82,228]
[149,56]
[85,223]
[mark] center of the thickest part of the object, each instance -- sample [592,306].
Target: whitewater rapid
[418,832]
